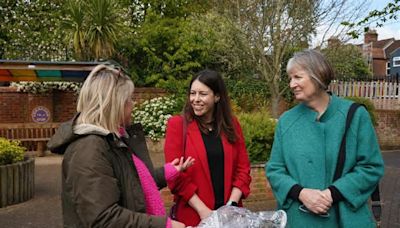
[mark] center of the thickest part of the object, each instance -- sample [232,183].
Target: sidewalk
[44,210]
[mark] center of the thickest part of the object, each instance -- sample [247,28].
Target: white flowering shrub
[46,87]
[32,30]
[153,115]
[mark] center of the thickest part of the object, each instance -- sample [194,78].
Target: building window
[396,61]
[388,68]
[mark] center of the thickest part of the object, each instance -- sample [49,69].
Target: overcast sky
[389,30]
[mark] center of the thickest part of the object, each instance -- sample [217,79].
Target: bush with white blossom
[46,87]
[153,115]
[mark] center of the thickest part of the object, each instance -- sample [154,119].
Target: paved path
[390,190]
[44,210]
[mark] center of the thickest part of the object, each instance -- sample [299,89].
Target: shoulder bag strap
[342,151]
[375,197]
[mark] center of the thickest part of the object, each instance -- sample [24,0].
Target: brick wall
[64,104]
[388,128]
[12,106]
[16,107]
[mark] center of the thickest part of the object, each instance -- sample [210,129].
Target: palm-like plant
[75,22]
[104,27]
[95,26]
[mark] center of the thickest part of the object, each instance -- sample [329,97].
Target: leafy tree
[348,62]
[166,49]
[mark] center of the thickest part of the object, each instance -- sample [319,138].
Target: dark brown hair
[222,115]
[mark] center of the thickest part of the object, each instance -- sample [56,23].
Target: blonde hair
[103,97]
[315,64]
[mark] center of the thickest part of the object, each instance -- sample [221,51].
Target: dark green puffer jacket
[100,184]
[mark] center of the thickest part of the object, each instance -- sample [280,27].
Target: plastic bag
[238,217]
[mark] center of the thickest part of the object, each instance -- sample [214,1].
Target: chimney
[370,36]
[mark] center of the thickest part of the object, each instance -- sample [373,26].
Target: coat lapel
[196,143]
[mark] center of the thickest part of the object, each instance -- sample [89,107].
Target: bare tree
[331,14]
[274,28]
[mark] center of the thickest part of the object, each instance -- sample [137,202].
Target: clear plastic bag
[238,217]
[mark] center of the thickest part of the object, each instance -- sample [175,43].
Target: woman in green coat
[306,147]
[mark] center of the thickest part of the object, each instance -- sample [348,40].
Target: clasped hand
[315,200]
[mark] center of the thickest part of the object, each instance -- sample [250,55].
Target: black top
[215,157]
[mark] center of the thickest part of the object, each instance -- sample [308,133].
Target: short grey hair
[315,64]
[103,97]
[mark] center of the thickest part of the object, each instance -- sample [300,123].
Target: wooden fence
[384,95]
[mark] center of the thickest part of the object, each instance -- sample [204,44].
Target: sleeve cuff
[169,223]
[336,195]
[294,192]
[170,172]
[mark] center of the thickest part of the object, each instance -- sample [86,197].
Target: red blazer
[197,179]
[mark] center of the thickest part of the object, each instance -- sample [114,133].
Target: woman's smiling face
[202,100]
[304,89]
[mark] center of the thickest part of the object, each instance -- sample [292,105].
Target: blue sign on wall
[40,114]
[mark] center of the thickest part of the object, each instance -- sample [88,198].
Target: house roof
[382,43]
[17,70]
[392,47]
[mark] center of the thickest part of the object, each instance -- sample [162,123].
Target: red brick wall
[388,128]
[379,68]
[16,107]
[142,94]
[12,106]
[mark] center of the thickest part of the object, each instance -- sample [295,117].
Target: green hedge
[258,130]
[10,152]
[368,104]
[248,94]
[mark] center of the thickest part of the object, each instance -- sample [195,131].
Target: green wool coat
[305,152]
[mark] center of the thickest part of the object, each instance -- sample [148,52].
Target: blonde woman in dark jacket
[108,179]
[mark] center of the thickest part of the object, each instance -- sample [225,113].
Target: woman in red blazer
[207,132]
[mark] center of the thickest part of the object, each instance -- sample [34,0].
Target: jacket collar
[330,111]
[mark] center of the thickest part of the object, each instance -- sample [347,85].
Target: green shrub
[10,152]
[249,94]
[368,104]
[153,115]
[258,130]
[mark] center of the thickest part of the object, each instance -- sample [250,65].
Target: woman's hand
[176,224]
[328,195]
[181,165]
[315,200]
